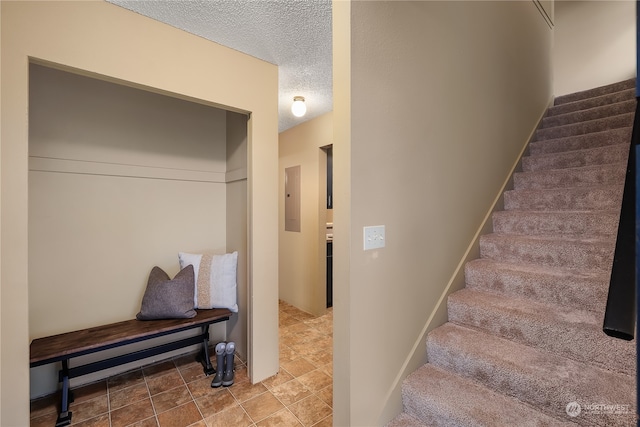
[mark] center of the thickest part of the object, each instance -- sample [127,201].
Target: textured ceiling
[293,34]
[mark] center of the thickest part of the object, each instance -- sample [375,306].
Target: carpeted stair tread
[581,128]
[585,176]
[405,420]
[604,197]
[440,398]
[549,251]
[581,142]
[544,380]
[578,289]
[573,159]
[559,223]
[572,333]
[585,104]
[596,92]
[623,107]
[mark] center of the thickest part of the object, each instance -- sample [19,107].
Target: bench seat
[63,347]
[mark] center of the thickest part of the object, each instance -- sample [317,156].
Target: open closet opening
[122,179]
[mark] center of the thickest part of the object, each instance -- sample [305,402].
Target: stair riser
[530,377]
[590,114]
[575,159]
[582,292]
[577,339]
[595,224]
[582,142]
[575,177]
[615,122]
[585,104]
[597,255]
[602,198]
[428,411]
[596,92]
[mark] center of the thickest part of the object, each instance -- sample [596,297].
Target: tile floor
[176,393]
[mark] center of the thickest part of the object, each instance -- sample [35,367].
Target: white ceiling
[293,34]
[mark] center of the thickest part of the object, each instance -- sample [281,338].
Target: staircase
[524,337]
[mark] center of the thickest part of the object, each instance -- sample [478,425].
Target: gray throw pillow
[167,298]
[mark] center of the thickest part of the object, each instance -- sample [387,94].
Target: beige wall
[434,102]
[141,53]
[594,44]
[302,254]
[237,237]
[342,360]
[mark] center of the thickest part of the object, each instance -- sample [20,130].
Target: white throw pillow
[215,278]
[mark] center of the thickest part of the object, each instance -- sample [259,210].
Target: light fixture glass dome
[298,108]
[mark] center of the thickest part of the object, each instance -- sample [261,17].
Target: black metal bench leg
[203,356]
[64,417]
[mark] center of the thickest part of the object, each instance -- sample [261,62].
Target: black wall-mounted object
[330,177]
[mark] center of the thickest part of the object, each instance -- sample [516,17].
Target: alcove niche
[122,179]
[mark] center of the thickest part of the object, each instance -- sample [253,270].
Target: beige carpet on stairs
[524,344]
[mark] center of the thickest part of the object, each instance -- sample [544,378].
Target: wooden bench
[62,347]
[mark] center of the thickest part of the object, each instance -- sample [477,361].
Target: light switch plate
[374,237]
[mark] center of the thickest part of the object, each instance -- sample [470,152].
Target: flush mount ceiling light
[298,108]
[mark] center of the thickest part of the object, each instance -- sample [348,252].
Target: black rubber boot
[229,351]
[220,356]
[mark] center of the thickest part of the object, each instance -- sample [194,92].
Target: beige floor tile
[291,392]
[321,358]
[301,315]
[89,408]
[280,378]
[287,321]
[245,391]
[186,360]
[126,379]
[327,369]
[304,348]
[299,366]
[262,406]
[100,421]
[165,382]
[310,410]
[46,420]
[127,396]
[133,413]
[326,395]
[315,380]
[167,400]
[147,422]
[282,418]
[90,391]
[45,405]
[322,323]
[287,353]
[218,402]
[327,422]
[234,417]
[201,387]
[240,374]
[181,416]
[159,369]
[191,372]
[295,328]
